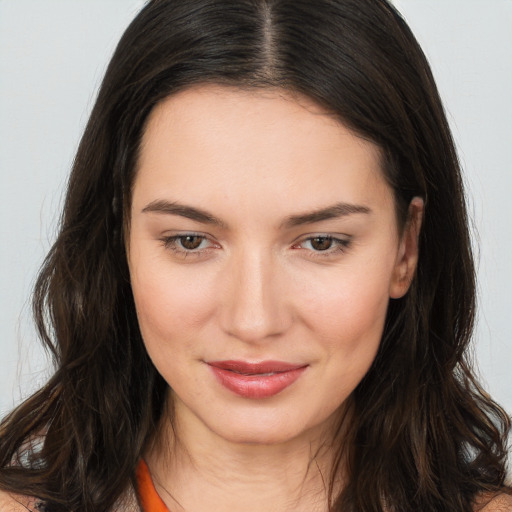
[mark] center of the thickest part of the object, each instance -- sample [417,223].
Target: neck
[194,469]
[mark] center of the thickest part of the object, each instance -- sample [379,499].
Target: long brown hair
[425,436]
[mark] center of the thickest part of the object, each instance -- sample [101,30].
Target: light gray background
[52,57]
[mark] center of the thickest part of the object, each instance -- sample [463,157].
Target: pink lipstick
[256,380]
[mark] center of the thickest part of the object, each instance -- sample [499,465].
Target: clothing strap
[149,498]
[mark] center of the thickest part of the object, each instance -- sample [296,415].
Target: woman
[262,291]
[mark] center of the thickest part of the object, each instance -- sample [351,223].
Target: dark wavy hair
[424,436]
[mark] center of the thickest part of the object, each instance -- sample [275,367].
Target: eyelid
[342,244]
[342,237]
[170,243]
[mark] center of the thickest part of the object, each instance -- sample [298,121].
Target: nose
[255,306]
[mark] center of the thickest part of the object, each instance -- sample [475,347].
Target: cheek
[349,307]
[170,305]
[347,316]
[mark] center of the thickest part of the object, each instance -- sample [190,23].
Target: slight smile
[256,380]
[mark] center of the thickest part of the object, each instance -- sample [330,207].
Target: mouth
[256,380]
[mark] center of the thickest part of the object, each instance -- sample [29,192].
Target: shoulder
[16,503]
[500,503]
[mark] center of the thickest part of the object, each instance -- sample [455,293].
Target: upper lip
[256,368]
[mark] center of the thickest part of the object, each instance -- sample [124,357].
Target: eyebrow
[331,212]
[189,212]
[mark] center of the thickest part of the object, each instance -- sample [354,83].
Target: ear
[407,255]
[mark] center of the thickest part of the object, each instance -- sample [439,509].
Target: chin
[262,429]
[258,437]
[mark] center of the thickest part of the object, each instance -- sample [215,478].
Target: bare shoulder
[500,503]
[16,503]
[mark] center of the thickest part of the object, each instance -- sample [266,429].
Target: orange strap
[149,498]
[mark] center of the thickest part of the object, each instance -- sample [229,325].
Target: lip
[256,380]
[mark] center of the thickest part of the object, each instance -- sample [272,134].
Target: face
[263,251]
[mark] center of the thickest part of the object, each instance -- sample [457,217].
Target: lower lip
[257,386]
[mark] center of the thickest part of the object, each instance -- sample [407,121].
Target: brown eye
[321,243]
[190,242]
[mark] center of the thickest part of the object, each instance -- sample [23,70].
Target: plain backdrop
[52,57]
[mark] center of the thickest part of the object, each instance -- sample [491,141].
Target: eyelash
[171,243]
[341,245]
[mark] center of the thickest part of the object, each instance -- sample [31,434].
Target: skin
[259,287]
[260,291]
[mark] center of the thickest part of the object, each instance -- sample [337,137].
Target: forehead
[219,142]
